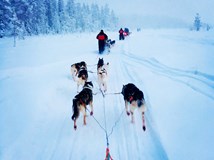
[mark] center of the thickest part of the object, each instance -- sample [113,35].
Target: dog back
[132,93]
[83,73]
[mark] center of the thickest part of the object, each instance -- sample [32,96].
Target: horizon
[182,11]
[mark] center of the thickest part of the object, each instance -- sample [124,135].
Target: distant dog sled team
[104,43]
[133,97]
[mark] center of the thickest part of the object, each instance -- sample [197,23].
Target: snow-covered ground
[174,69]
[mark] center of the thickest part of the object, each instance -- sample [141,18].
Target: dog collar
[88,87]
[131,98]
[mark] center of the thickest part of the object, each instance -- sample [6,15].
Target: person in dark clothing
[121,36]
[102,37]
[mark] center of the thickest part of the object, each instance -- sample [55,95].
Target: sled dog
[102,73]
[80,101]
[134,98]
[75,68]
[109,44]
[79,73]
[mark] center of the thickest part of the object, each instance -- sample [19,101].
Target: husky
[75,68]
[134,98]
[80,101]
[79,73]
[109,44]
[102,73]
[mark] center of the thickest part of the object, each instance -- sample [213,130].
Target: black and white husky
[109,44]
[134,98]
[80,102]
[102,74]
[79,73]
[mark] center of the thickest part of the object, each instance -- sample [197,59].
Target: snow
[174,69]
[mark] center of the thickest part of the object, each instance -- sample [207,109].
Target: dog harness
[103,71]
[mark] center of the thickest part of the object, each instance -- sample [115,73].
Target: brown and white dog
[80,101]
[134,98]
[79,73]
[102,73]
[75,68]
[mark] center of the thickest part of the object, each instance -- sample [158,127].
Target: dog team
[133,97]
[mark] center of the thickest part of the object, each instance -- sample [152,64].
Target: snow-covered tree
[80,23]
[20,9]
[105,17]
[95,13]
[33,17]
[37,19]
[87,18]
[114,21]
[62,17]
[6,16]
[197,22]
[52,16]
[70,11]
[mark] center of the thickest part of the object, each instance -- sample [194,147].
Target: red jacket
[102,36]
[121,31]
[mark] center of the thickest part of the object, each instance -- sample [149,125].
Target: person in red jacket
[102,37]
[121,36]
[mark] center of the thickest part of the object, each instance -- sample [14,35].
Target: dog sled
[126,32]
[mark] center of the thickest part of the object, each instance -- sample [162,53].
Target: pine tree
[105,17]
[37,20]
[70,11]
[61,14]
[95,13]
[52,16]
[87,18]
[113,20]
[20,9]
[197,22]
[33,17]
[6,15]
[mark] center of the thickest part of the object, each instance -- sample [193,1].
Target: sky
[180,10]
[173,68]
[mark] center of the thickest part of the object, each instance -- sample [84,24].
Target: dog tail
[75,110]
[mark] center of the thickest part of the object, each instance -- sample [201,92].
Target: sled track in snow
[205,82]
[151,127]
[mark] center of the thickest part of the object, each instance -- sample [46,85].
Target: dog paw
[75,127]
[144,128]
[91,113]
[128,113]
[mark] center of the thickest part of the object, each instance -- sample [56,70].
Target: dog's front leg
[84,119]
[84,115]
[143,119]
[126,105]
[75,125]
[132,117]
[105,86]
[92,110]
